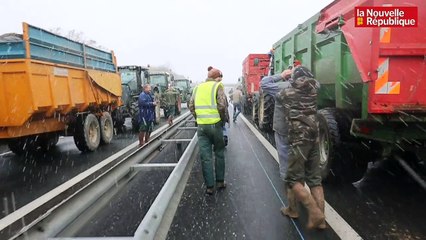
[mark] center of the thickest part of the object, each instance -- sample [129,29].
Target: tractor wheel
[254,111]
[47,141]
[266,112]
[20,145]
[118,119]
[88,135]
[329,139]
[135,121]
[247,106]
[134,114]
[106,128]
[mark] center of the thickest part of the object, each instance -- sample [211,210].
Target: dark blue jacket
[146,108]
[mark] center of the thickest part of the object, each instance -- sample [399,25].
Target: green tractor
[184,87]
[160,80]
[132,80]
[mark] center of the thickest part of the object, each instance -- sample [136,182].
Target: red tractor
[255,67]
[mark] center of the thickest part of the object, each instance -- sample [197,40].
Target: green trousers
[304,165]
[208,136]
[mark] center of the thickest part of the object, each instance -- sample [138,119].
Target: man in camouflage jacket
[300,103]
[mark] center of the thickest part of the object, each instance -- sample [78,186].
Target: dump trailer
[255,67]
[373,80]
[51,86]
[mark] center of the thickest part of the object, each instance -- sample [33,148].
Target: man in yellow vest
[208,105]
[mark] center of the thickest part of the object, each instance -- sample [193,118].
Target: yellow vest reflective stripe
[205,102]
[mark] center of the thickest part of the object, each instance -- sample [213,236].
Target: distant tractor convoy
[133,79]
[52,86]
[373,83]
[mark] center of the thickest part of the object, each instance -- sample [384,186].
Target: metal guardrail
[151,222]
[34,212]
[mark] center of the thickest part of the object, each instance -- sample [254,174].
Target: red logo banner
[386,16]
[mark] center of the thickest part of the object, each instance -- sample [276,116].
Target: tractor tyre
[134,114]
[19,145]
[255,110]
[266,112]
[47,141]
[329,139]
[106,128]
[118,119]
[87,134]
[247,106]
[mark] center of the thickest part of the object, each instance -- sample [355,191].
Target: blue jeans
[281,142]
[237,107]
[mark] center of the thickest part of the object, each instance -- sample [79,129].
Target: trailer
[373,80]
[51,86]
[255,67]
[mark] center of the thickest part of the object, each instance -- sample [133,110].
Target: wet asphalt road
[383,202]
[25,178]
[125,210]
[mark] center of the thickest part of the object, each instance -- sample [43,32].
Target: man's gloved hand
[286,74]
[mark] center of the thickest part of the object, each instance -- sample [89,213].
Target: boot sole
[316,224]
[284,212]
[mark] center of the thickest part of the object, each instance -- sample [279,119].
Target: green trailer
[372,82]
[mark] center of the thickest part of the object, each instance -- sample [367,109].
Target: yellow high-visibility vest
[205,102]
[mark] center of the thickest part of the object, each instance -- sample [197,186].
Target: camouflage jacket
[300,104]
[222,103]
[170,97]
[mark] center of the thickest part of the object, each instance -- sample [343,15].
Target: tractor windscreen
[129,78]
[160,80]
[181,84]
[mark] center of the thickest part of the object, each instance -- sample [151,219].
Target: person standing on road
[237,96]
[146,114]
[208,106]
[171,99]
[230,94]
[272,85]
[300,103]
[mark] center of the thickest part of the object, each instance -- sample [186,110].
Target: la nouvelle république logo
[386,16]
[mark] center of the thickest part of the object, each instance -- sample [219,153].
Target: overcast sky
[187,35]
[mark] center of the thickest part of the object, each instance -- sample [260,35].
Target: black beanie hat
[301,71]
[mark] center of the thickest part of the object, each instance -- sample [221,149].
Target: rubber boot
[291,210]
[316,217]
[318,195]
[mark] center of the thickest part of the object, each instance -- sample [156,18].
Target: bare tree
[78,36]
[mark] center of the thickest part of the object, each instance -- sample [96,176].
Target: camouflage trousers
[304,164]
